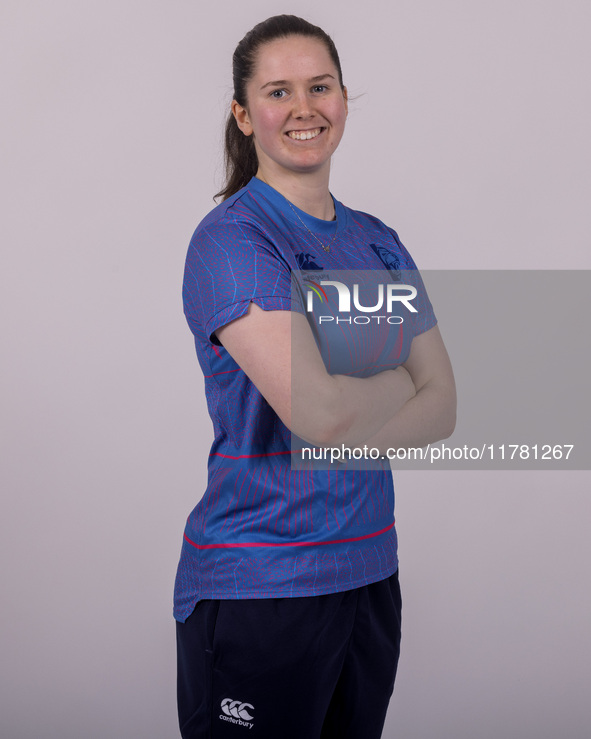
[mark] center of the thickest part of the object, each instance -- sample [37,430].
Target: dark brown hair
[241,161]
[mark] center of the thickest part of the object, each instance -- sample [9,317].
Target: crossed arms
[412,405]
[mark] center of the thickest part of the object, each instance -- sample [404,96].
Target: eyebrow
[276,83]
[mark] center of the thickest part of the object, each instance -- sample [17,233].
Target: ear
[242,118]
[346,98]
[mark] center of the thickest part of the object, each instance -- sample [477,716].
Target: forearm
[347,410]
[428,417]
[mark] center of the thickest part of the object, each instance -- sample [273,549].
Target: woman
[287,597]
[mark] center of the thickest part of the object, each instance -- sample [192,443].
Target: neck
[306,192]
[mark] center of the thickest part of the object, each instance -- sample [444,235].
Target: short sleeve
[424,319]
[228,266]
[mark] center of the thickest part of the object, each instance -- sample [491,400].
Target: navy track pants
[320,667]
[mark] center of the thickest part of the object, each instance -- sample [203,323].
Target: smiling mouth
[305,135]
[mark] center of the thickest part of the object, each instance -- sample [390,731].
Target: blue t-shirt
[263,529]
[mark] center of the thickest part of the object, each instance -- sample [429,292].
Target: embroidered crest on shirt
[389,259]
[306,261]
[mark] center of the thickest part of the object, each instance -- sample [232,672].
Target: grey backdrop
[469,135]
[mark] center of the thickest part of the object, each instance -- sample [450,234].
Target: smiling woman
[287,585]
[296,113]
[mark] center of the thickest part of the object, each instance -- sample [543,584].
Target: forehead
[292,58]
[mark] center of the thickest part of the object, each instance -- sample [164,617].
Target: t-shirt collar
[297,216]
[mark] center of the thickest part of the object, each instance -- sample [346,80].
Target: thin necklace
[326,247]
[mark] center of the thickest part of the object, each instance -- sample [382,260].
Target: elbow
[450,427]
[443,417]
[449,410]
[320,416]
[449,421]
[321,432]
[322,424]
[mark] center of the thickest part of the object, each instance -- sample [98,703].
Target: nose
[302,106]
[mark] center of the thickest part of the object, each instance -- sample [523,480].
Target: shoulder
[367,221]
[232,228]
[232,214]
[385,241]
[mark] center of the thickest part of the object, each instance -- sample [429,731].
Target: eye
[277,94]
[319,88]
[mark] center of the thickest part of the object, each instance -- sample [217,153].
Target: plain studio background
[469,135]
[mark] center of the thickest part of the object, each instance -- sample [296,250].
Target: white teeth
[304,135]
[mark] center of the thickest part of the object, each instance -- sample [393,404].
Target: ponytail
[240,159]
